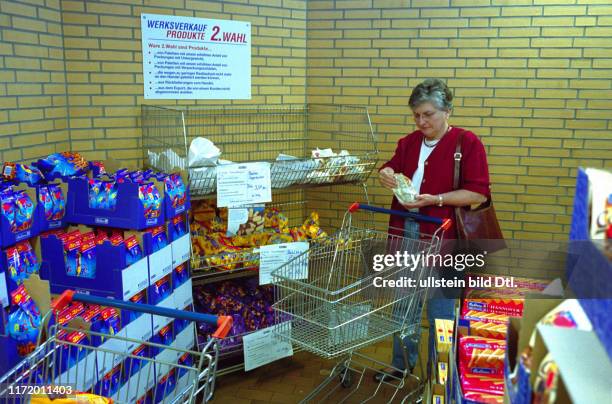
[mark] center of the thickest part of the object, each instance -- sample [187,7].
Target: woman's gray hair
[434,91]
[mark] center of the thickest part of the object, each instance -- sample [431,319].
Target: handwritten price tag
[264,346]
[243,184]
[273,256]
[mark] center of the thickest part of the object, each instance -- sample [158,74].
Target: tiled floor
[290,380]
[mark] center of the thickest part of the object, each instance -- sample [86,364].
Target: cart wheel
[346,377]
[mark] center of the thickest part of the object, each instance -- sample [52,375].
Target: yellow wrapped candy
[224,261]
[280,238]
[241,241]
[274,219]
[298,234]
[259,239]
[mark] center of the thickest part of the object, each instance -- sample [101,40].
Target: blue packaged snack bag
[110,383]
[88,259]
[129,315]
[95,193]
[97,168]
[150,199]
[16,271]
[71,354]
[185,360]
[148,174]
[110,201]
[21,262]
[24,321]
[180,325]
[112,189]
[178,227]
[22,173]
[59,202]
[136,176]
[132,365]
[165,335]
[181,275]
[161,289]
[72,251]
[7,198]
[44,198]
[62,165]
[175,189]
[160,239]
[28,259]
[134,251]
[24,211]
[110,324]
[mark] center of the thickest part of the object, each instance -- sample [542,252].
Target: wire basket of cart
[338,301]
[115,366]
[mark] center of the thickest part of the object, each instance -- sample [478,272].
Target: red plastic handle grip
[62,300]
[224,326]
[354,207]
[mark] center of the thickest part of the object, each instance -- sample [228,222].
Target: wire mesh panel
[342,304]
[286,136]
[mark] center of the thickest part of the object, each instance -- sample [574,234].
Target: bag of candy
[134,251]
[24,321]
[22,173]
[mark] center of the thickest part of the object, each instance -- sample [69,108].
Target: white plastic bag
[153,159]
[404,191]
[202,153]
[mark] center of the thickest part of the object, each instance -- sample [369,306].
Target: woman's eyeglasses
[425,115]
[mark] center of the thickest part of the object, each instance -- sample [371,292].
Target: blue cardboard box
[129,212]
[113,278]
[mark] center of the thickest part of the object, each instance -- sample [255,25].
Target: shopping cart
[124,369]
[332,301]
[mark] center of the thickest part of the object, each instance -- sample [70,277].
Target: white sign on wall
[195,58]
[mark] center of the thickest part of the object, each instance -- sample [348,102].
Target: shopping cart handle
[444,223]
[224,323]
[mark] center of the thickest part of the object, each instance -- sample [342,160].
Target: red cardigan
[438,175]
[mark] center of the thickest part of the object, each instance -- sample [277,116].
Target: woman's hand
[386,178]
[421,201]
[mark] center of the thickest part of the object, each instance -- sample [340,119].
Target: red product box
[481,356]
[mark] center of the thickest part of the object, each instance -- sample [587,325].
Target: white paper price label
[265,346]
[236,217]
[243,184]
[273,256]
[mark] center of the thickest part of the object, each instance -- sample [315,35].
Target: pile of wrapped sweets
[250,306]
[264,226]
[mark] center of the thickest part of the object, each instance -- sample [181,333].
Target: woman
[427,157]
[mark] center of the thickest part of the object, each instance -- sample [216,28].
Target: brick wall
[72,70]
[104,63]
[533,78]
[33,118]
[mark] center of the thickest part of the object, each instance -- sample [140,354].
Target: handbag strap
[457,156]
[457,175]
